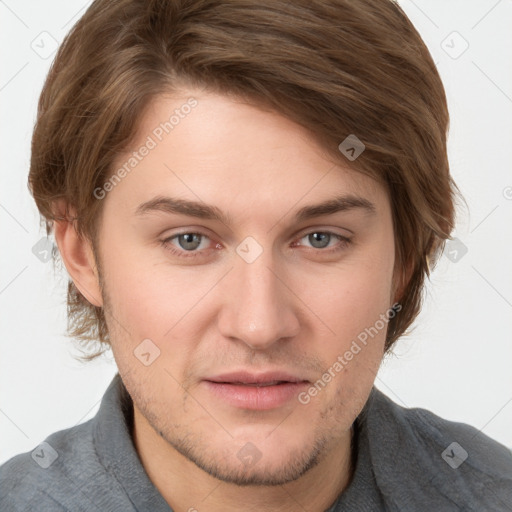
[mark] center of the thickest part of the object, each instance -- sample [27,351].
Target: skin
[297,307]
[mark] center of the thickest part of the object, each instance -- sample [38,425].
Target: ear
[77,255]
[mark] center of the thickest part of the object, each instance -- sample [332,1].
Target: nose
[258,307]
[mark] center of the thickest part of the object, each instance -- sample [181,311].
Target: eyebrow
[184,207]
[338,204]
[203,211]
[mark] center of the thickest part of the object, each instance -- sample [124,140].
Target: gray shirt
[408,460]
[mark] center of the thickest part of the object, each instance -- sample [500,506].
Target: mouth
[257,384]
[264,391]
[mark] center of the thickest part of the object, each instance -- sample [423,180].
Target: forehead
[224,151]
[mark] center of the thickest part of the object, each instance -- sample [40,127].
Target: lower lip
[256,398]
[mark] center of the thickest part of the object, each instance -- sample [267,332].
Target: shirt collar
[362,492]
[113,442]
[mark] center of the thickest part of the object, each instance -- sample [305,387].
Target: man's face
[192,299]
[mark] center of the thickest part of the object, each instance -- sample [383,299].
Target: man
[247,198]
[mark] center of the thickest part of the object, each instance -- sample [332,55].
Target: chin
[258,470]
[259,460]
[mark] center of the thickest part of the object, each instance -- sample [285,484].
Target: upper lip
[245,377]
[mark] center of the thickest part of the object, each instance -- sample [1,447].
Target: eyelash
[343,242]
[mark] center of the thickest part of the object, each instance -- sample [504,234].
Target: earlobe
[77,255]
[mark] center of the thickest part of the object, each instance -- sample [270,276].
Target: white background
[458,360]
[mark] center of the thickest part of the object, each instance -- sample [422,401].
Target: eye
[319,240]
[324,239]
[187,244]
[189,241]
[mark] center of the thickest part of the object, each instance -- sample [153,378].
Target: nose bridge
[259,309]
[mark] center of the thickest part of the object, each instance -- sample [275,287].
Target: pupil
[319,240]
[189,241]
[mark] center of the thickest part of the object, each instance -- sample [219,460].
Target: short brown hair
[336,67]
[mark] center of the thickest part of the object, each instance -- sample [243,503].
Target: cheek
[355,305]
[149,307]
[356,313]
[366,298]
[353,295]
[151,299]
[137,297]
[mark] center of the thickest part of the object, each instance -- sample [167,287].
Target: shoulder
[440,460]
[53,476]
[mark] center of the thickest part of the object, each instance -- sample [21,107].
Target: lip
[256,391]
[245,377]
